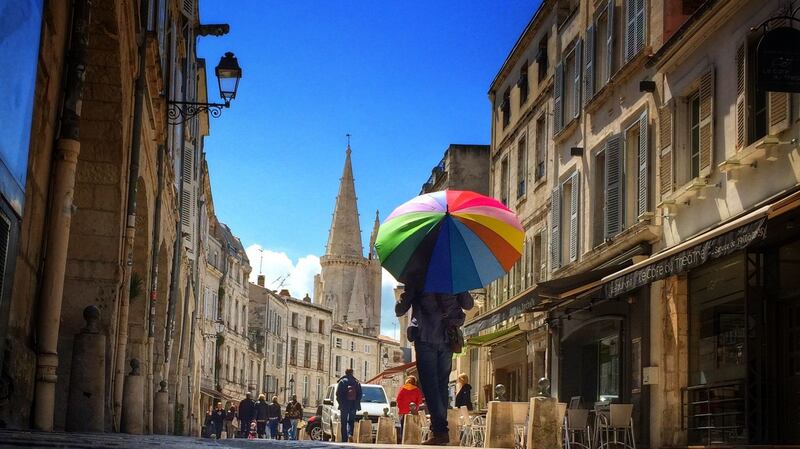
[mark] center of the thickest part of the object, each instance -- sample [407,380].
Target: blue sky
[405,78]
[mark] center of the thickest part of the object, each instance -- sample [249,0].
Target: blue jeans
[348,419]
[434,363]
[293,431]
[273,428]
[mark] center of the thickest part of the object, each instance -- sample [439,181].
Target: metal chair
[520,434]
[561,413]
[426,426]
[478,430]
[576,429]
[466,427]
[619,420]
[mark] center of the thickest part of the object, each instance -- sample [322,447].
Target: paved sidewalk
[30,439]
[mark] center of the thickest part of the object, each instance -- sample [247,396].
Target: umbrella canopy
[450,241]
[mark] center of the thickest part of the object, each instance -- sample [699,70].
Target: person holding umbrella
[440,245]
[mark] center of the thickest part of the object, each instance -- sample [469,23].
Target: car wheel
[315,432]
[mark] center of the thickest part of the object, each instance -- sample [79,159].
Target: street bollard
[133,401]
[161,410]
[386,432]
[412,429]
[85,407]
[454,426]
[543,421]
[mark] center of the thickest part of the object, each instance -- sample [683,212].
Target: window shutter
[574,206]
[778,112]
[558,91]
[543,261]
[555,229]
[614,179]
[665,146]
[578,77]
[644,165]
[640,24]
[188,195]
[741,122]
[630,29]
[706,121]
[187,8]
[610,40]
[589,55]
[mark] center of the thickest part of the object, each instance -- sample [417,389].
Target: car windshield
[373,394]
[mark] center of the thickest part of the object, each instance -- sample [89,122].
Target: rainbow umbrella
[450,241]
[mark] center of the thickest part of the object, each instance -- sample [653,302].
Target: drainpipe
[59,217]
[151,320]
[130,229]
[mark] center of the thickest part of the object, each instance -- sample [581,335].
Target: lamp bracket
[181,111]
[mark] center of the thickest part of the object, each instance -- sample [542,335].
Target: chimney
[260,280]
[285,293]
[307,298]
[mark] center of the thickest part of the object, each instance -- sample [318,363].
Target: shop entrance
[788,343]
[591,363]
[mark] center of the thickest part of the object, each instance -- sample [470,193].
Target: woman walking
[261,415]
[408,394]
[464,395]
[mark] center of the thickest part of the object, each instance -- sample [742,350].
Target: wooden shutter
[706,121]
[614,178]
[589,56]
[630,29]
[188,195]
[741,105]
[665,133]
[574,207]
[778,112]
[555,229]
[643,194]
[543,257]
[578,77]
[558,106]
[640,25]
[610,40]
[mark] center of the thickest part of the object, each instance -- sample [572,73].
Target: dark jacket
[261,410]
[217,417]
[432,314]
[273,411]
[230,414]
[341,393]
[247,410]
[464,397]
[294,410]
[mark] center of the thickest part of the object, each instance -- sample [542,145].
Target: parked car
[314,425]
[373,402]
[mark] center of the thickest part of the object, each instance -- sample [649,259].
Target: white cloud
[276,265]
[297,276]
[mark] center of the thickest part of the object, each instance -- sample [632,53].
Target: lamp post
[228,75]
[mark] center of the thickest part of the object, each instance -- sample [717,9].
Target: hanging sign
[778,60]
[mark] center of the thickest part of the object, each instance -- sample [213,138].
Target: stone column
[133,401]
[161,410]
[87,381]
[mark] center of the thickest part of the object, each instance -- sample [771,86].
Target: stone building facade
[350,284]
[269,315]
[666,214]
[354,351]
[308,349]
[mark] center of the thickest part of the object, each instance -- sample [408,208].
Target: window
[307,355]
[541,147]
[570,95]
[319,390]
[308,324]
[352,363]
[608,361]
[366,369]
[322,326]
[244,319]
[320,357]
[352,346]
[600,202]
[600,50]
[523,84]
[635,27]
[367,349]
[338,343]
[564,211]
[293,352]
[504,174]
[694,135]
[636,172]
[538,258]
[338,364]
[567,87]
[541,58]
[294,320]
[505,108]
[279,354]
[522,166]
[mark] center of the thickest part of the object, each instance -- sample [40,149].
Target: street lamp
[228,75]
[219,327]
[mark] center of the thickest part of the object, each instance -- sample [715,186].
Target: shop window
[608,369]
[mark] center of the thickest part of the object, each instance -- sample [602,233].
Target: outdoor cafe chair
[576,429]
[466,426]
[618,420]
[478,430]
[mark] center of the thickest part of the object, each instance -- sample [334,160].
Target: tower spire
[344,238]
[374,237]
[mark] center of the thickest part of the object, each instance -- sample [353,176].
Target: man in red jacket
[408,394]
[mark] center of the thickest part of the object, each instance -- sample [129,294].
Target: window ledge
[766,149]
[695,188]
[566,131]
[620,76]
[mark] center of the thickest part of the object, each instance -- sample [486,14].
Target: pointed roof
[344,238]
[372,253]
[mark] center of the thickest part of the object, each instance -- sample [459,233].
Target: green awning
[485,340]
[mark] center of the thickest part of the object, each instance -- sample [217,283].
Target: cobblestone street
[12,438]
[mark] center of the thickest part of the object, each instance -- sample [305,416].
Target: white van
[373,402]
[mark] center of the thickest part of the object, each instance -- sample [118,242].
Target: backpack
[350,393]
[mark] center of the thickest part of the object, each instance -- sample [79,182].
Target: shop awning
[531,299]
[215,394]
[503,334]
[391,372]
[721,241]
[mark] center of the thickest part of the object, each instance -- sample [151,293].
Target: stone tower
[350,283]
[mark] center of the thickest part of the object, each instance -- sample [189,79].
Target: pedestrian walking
[247,413]
[464,395]
[294,411]
[408,393]
[231,422]
[208,423]
[217,420]
[286,427]
[348,394]
[261,415]
[274,416]
[435,330]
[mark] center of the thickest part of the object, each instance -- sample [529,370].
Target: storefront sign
[689,258]
[778,60]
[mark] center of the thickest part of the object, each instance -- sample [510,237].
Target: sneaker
[441,439]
